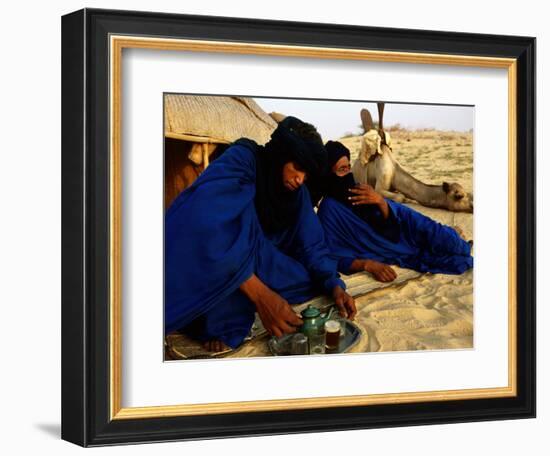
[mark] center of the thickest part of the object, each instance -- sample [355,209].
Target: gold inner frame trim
[117,44]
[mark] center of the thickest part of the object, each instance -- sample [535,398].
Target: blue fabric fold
[424,245]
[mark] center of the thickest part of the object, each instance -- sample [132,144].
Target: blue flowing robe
[422,244]
[214,242]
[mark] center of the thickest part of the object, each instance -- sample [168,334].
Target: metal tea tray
[282,346]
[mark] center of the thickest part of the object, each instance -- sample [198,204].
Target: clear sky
[334,119]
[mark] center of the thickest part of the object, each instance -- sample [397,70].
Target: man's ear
[446,187]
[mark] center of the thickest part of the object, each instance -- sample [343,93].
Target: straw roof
[215,119]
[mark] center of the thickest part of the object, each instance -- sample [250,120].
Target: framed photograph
[269,227]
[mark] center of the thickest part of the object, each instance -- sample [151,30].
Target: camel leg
[394,196]
[382,187]
[397,197]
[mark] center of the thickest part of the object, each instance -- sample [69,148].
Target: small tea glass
[299,344]
[342,321]
[317,344]
[332,335]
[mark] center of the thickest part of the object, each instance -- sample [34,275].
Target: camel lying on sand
[377,167]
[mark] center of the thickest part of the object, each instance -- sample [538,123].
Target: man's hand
[365,194]
[276,314]
[381,272]
[344,302]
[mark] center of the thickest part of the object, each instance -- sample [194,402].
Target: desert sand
[417,311]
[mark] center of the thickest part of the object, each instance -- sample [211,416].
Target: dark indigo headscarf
[337,187]
[335,151]
[277,207]
[329,184]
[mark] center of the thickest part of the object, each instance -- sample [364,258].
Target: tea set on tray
[319,334]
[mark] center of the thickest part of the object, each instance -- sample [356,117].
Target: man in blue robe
[244,238]
[366,232]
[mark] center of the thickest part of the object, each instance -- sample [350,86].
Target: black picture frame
[86,408]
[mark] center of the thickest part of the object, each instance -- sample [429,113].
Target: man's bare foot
[381,272]
[215,346]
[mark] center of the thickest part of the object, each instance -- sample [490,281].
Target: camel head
[457,200]
[375,140]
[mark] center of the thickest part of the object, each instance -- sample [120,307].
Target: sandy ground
[431,312]
[418,312]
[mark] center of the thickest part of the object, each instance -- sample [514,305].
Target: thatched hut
[194,125]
